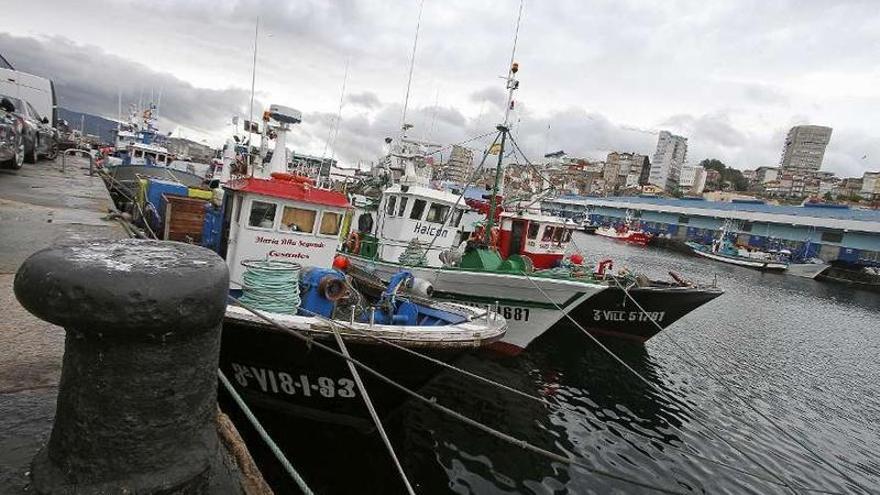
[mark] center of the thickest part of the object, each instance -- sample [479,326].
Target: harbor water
[803,353]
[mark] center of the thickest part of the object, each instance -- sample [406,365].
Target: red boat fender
[577,259]
[603,266]
[341,263]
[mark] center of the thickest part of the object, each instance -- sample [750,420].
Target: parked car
[11,136]
[40,138]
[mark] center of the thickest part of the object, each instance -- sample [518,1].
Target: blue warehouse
[835,232]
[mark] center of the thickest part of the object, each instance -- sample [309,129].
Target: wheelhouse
[542,238]
[429,216]
[283,218]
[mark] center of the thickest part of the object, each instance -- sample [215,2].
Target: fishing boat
[519,265]
[804,262]
[723,249]
[279,234]
[628,231]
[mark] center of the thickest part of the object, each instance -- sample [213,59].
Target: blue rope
[271,286]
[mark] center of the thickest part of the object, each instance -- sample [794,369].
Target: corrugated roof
[816,212]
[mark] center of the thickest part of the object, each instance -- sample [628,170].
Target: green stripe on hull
[463,298]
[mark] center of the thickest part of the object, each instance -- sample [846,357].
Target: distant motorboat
[724,250]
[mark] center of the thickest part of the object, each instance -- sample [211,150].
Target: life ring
[353,243]
[480,231]
[295,178]
[603,266]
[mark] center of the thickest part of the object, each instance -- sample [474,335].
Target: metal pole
[492,203]
[253,85]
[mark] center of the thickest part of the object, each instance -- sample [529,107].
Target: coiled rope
[413,255]
[271,286]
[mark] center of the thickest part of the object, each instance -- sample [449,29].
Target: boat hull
[763,265]
[598,307]
[275,370]
[806,270]
[630,237]
[613,313]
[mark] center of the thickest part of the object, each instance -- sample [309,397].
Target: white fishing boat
[515,265]
[279,234]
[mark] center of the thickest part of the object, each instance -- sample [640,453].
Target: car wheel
[18,160]
[52,152]
[30,155]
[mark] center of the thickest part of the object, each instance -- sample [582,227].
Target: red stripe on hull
[504,348]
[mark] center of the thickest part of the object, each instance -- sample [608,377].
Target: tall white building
[692,179]
[804,148]
[668,159]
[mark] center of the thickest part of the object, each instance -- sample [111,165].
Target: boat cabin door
[517,236]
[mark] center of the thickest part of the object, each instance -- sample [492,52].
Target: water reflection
[803,352]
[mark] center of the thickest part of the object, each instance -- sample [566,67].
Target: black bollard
[137,397]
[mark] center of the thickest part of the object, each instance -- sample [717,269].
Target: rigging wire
[751,406]
[412,63]
[273,447]
[649,383]
[431,402]
[535,398]
[470,181]
[372,410]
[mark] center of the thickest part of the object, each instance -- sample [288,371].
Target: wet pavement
[40,205]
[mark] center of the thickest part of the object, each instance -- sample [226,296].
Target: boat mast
[412,63]
[504,128]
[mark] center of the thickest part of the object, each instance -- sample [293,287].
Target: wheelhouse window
[298,220]
[330,223]
[262,214]
[402,209]
[456,217]
[548,234]
[437,213]
[557,234]
[417,209]
[389,205]
[831,236]
[533,230]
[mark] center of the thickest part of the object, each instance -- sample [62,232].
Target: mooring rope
[782,481]
[742,399]
[540,400]
[271,285]
[372,410]
[276,451]
[432,402]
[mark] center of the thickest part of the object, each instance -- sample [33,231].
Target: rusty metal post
[137,398]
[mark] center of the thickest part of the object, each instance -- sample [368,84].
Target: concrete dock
[42,206]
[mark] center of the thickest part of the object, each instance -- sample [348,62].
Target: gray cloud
[366,99]
[89,79]
[732,75]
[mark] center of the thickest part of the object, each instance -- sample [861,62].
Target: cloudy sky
[596,75]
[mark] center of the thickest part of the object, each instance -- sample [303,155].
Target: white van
[36,90]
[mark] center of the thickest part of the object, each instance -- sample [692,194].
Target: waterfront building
[764,175]
[693,179]
[804,148]
[459,165]
[623,170]
[669,157]
[870,185]
[837,233]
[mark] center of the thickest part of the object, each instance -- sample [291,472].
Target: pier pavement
[43,205]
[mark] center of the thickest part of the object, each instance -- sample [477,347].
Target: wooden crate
[184,218]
